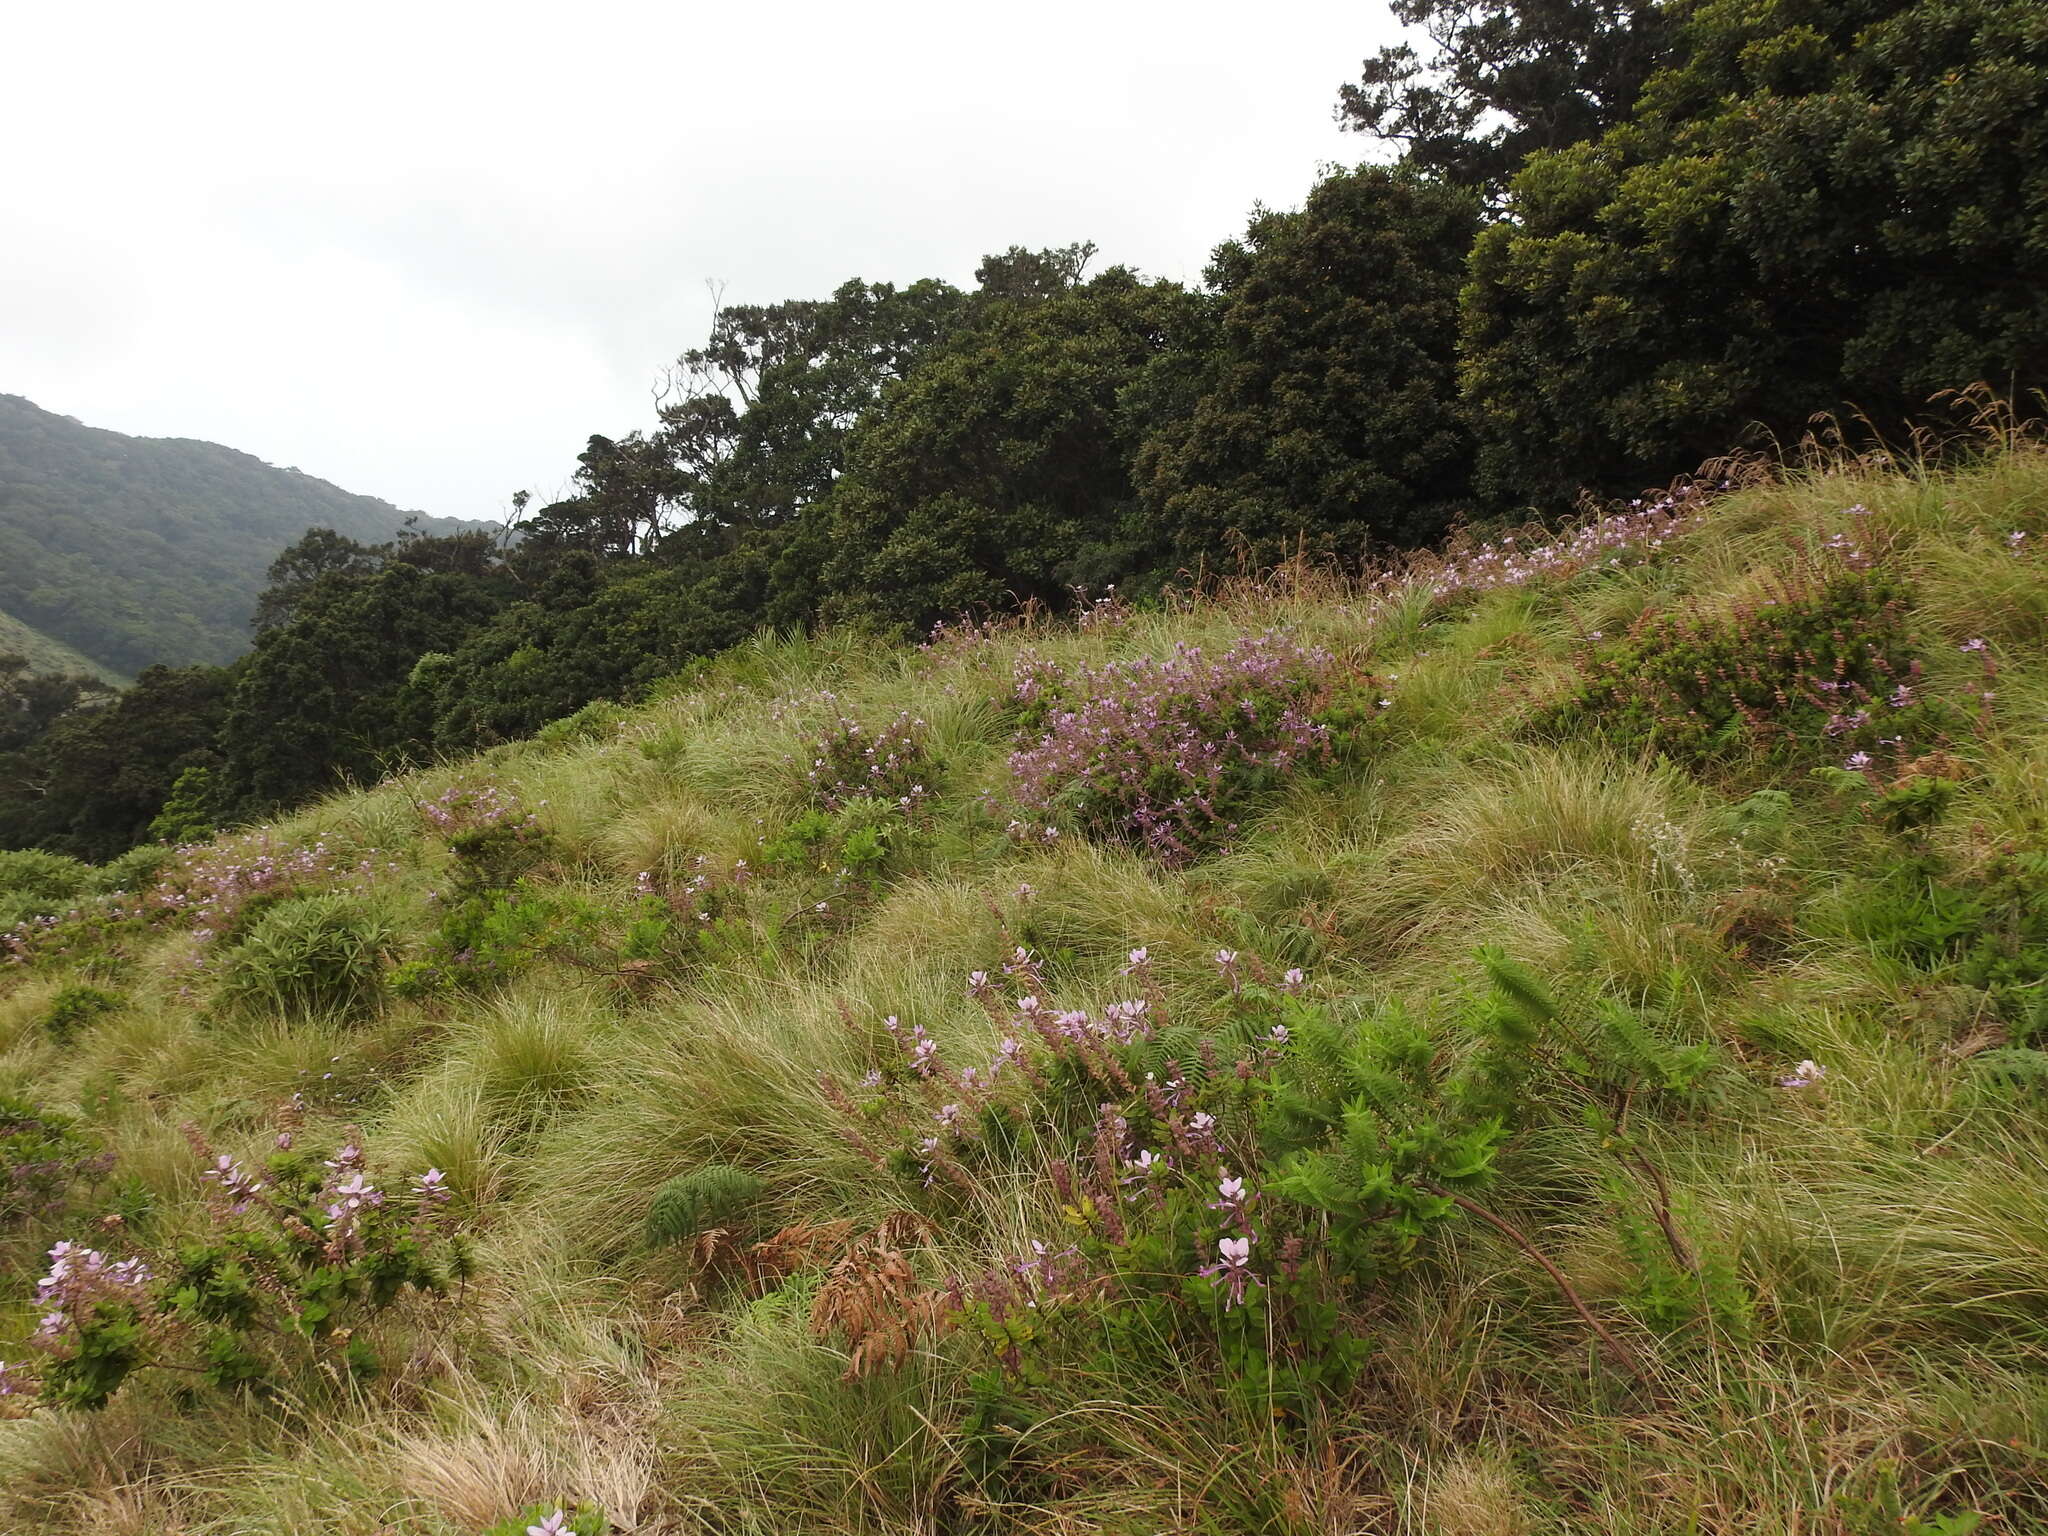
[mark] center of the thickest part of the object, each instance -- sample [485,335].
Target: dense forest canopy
[1611,238]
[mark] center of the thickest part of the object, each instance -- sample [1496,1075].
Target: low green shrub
[308,957]
[1230,1192]
[43,1158]
[77,1006]
[596,721]
[135,871]
[280,1291]
[1824,664]
[863,842]
[1983,927]
[34,884]
[1167,755]
[487,938]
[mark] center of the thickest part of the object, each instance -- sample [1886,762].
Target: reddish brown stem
[1622,1354]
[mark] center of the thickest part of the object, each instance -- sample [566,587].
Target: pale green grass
[1888,1227]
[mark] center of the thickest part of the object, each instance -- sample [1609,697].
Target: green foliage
[75,1007]
[1814,204]
[715,1196]
[299,1260]
[492,858]
[318,700]
[46,878]
[864,842]
[1825,661]
[188,814]
[43,1157]
[1984,926]
[1507,79]
[310,957]
[1323,418]
[997,473]
[96,781]
[488,938]
[595,721]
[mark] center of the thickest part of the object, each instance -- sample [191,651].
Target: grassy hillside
[1598,982]
[45,654]
[137,550]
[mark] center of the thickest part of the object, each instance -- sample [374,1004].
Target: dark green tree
[91,784]
[998,471]
[1820,204]
[31,701]
[1323,414]
[320,553]
[1501,79]
[317,701]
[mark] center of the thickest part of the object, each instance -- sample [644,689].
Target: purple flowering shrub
[1824,664]
[1166,754]
[302,1256]
[1618,540]
[215,890]
[851,760]
[1235,1192]
[496,840]
[43,1158]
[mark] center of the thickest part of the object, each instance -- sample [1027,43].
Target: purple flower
[1233,1268]
[1856,762]
[1972,645]
[556,1524]
[1805,1075]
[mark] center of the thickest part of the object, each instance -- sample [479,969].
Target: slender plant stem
[1623,1356]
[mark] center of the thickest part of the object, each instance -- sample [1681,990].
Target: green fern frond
[702,1200]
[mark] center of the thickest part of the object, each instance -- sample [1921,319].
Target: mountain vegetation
[136,551]
[1543,1038]
[1619,239]
[1406,891]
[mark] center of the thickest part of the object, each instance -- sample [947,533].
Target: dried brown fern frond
[798,1247]
[874,1297]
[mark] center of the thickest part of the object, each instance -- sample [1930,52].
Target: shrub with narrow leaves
[75,1007]
[316,957]
[1166,754]
[43,1158]
[1824,663]
[1231,1189]
[301,1257]
[852,760]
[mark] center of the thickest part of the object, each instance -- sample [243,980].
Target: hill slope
[137,550]
[47,655]
[1458,1055]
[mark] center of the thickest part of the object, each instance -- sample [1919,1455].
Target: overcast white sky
[424,250]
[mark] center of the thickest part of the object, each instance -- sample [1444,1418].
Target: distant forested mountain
[136,550]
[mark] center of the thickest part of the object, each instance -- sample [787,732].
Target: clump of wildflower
[1166,753]
[239,1187]
[469,806]
[1233,1269]
[851,760]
